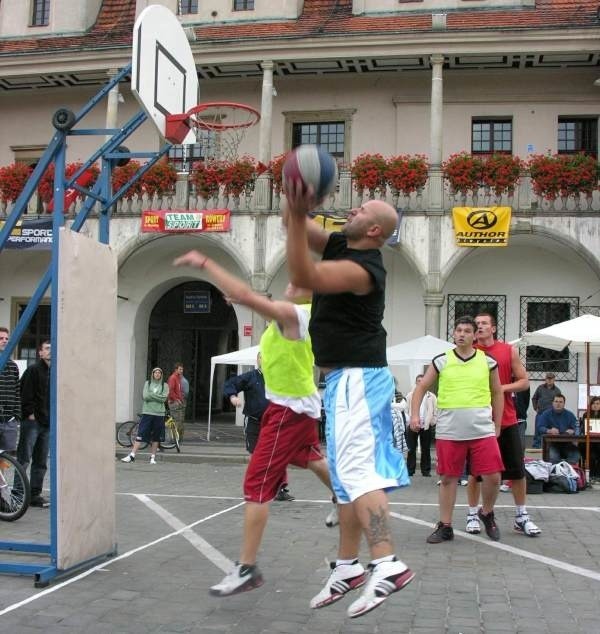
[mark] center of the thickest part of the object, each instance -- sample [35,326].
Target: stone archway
[191,323]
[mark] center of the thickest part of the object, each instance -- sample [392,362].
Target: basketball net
[220,128]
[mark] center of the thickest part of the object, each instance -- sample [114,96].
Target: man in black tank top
[349,343]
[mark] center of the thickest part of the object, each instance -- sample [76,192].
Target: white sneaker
[473,525]
[128,458]
[342,579]
[152,460]
[332,519]
[524,525]
[463,482]
[240,579]
[505,488]
[385,579]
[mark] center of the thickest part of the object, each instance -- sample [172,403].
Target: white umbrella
[416,353]
[581,334]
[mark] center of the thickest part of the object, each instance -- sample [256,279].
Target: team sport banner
[186,220]
[481,226]
[30,234]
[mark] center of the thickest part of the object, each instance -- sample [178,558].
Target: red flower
[238,176]
[407,173]
[501,172]
[564,174]
[13,178]
[276,169]
[463,172]
[160,178]
[122,174]
[206,177]
[368,172]
[46,185]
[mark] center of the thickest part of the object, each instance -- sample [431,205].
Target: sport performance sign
[30,234]
[481,226]
[186,221]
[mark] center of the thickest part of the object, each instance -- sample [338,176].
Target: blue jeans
[33,446]
[563,451]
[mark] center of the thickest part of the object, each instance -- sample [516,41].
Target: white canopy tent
[416,353]
[247,356]
[582,335]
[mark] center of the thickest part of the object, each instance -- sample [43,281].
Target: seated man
[558,420]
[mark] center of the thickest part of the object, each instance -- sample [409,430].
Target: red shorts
[483,453]
[285,438]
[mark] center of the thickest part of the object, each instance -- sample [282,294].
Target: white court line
[209,551]
[105,564]
[594,509]
[577,570]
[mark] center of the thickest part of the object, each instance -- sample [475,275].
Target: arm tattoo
[379,529]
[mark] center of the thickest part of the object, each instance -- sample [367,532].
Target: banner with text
[186,220]
[481,226]
[30,234]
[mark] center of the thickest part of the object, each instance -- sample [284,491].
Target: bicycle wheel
[124,433]
[15,493]
[171,440]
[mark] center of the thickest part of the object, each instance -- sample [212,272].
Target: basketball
[312,165]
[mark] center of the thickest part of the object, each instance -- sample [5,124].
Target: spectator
[176,398]
[185,390]
[10,399]
[558,420]
[34,439]
[470,401]
[427,418]
[541,401]
[10,411]
[594,448]
[152,422]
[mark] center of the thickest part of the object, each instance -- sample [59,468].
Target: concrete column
[266,113]
[112,104]
[436,139]
[262,187]
[433,313]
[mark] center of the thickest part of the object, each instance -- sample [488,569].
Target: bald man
[349,344]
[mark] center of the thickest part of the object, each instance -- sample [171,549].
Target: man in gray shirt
[541,401]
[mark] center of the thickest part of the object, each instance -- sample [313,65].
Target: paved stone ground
[468,586]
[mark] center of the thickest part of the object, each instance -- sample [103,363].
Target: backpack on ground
[581,479]
[563,479]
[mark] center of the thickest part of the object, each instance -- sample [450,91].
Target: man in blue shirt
[558,420]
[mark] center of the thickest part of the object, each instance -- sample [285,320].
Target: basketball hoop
[219,127]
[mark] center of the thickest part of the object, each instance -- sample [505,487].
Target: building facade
[362,76]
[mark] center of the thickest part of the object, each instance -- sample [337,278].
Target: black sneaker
[489,522]
[39,501]
[284,495]
[442,533]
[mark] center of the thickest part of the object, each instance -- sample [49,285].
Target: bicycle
[127,432]
[14,500]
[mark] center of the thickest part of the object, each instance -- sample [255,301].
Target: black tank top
[346,329]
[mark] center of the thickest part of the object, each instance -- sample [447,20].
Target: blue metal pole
[58,220]
[106,192]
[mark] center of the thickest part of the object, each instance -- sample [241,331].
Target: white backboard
[163,73]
